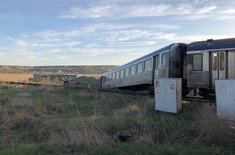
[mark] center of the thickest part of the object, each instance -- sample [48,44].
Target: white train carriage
[139,74]
[207,61]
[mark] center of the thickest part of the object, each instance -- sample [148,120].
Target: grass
[54,120]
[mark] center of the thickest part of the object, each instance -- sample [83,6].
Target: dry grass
[15,77]
[79,138]
[81,119]
[97,76]
[214,130]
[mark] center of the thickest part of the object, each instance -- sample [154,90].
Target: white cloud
[164,26]
[21,43]
[226,17]
[147,10]
[125,35]
[54,51]
[206,9]
[138,10]
[16,56]
[24,35]
[118,11]
[10,38]
[187,38]
[51,34]
[58,44]
[93,51]
[133,43]
[229,11]
[93,12]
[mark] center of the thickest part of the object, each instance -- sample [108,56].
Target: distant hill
[56,69]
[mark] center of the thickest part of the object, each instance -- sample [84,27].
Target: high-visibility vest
[65,78]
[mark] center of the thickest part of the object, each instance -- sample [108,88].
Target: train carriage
[210,60]
[139,74]
[199,64]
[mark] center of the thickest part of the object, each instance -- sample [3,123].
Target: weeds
[74,121]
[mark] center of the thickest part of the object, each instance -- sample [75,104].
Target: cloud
[21,43]
[164,26]
[206,9]
[93,51]
[229,11]
[138,10]
[187,10]
[115,10]
[24,35]
[54,51]
[10,38]
[174,37]
[125,35]
[133,43]
[52,34]
[93,12]
[59,44]
[16,56]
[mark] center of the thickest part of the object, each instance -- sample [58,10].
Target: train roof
[211,44]
[141,58]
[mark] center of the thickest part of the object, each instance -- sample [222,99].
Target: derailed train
[199,64]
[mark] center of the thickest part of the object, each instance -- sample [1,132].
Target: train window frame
[134,70]
[214,61]
[221,61]
[150,66]
[165,63]
[157,62]
[139,65]
[117,74]
[113,76]
[127,68]
[122,73]
[201,63]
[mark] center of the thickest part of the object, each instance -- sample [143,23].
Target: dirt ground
[16,77]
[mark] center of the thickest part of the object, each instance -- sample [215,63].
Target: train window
[117,74]
[164,60]
[221,59]
[157,61]
[139,67]
[197,62]
[214,61]
[113,76]
[133,70]
[127,71]
[122,73]
[147,65]
[110,76]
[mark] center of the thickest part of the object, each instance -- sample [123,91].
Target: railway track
[139,93]
[115,91]
[126,92]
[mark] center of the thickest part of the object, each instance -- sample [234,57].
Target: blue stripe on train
[209,46]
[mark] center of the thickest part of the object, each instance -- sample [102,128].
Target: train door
[218,66]
[156,70]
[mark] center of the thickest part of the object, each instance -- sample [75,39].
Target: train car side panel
[198,70]
[231,64]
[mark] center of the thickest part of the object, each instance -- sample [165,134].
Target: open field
[55,69]
[15,77]
[97,76]
[49,120]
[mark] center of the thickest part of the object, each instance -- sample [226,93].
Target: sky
[105,32]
